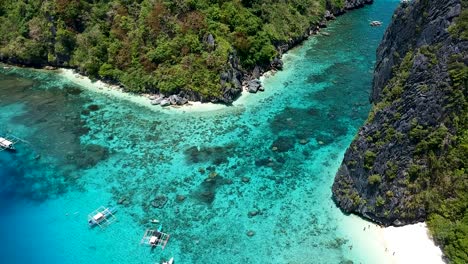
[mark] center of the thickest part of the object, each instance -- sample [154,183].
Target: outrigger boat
[102,217]
[155,238]
[6,144]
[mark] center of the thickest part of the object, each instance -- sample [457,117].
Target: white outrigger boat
[6,144]
[102,217]
[155,238]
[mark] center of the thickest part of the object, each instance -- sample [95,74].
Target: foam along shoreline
[411,244]
[142,100]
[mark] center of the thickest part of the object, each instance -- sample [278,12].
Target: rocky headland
[407,164]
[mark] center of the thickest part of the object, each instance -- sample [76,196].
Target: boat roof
[5,142]
[98,216]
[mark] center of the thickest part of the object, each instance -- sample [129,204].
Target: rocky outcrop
[416,97]
[233,78]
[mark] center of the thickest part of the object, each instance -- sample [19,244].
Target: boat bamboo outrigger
[155,238]
[102,217]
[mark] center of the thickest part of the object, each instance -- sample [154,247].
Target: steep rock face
[384,175]
[409,30]
[351,4]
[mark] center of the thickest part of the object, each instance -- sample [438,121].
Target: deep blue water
[275,153]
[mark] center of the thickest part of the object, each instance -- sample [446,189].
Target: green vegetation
[391,171]
[153,45]
[379,201]
[448,194]
[460,28]
[428,52]
[369,158]
[374,179]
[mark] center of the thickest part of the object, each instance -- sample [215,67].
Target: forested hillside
[167,46]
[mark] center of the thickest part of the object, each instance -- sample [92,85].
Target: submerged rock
[253,213]
[93,107]
[283,143]
[159,201]
[180,198]
[122,200]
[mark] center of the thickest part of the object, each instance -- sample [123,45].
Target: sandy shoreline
[411,244]
[140,99]
[408,244]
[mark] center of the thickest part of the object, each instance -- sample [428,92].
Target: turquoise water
[274,153]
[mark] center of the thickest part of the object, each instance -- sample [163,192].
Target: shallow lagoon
[273,153]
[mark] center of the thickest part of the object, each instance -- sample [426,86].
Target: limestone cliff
[397,169]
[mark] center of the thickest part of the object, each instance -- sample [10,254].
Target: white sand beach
[411,244]
[140,99]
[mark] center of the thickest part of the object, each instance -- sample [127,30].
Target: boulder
[329,15]
[173,99]
[181,100]
[157,101]
[165,102]
[210,40]
[277,63]
[256,72]
[253,86]
[49,68]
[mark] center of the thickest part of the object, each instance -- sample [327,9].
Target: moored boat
[101,216]
[6,144]
[155,238]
